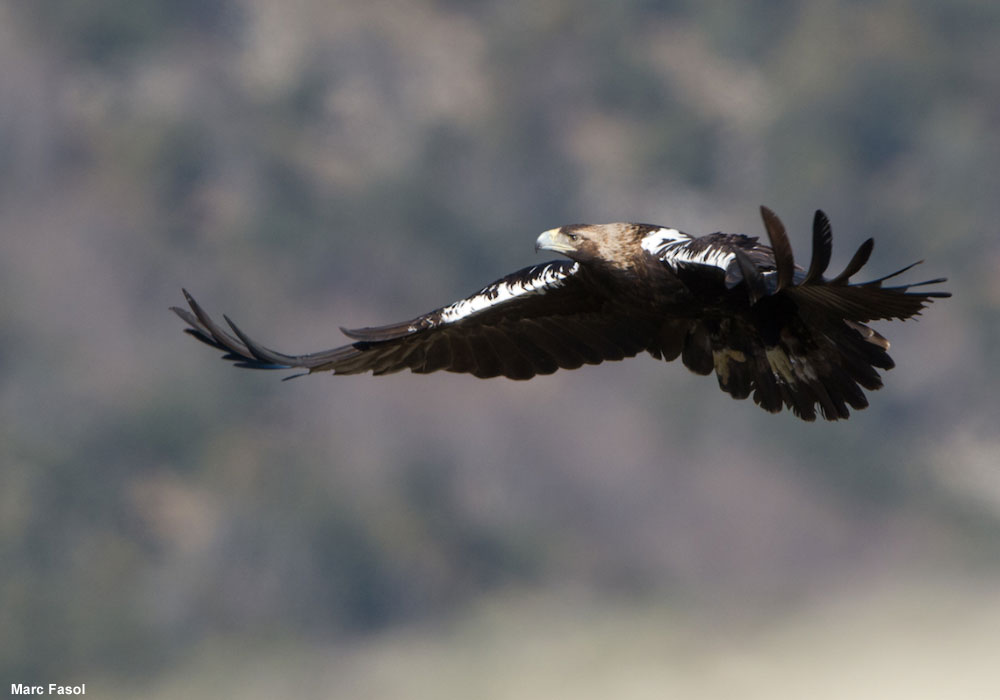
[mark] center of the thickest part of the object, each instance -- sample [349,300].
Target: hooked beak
[556,241]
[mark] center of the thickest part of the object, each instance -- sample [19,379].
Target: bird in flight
[787,336]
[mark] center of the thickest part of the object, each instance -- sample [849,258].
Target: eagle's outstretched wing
[533,321]
[787,336]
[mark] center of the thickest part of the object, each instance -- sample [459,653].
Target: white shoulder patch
[674,247]
[543,278]
[712,255]
[656,241]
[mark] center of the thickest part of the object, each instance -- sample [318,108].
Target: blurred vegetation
[107,31]
[332,163]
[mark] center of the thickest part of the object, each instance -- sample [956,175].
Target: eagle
[787,336]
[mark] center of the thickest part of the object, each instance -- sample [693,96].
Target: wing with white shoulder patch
[531,281]
[676,248]
[716,250]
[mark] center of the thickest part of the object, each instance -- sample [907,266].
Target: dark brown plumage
[721,302]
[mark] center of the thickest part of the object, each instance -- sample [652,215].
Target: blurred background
[172,527]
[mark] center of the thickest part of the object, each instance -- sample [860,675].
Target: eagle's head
[610,244]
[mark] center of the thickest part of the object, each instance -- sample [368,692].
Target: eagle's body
[723,302]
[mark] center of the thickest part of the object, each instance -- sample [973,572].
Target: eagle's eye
[572,236]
